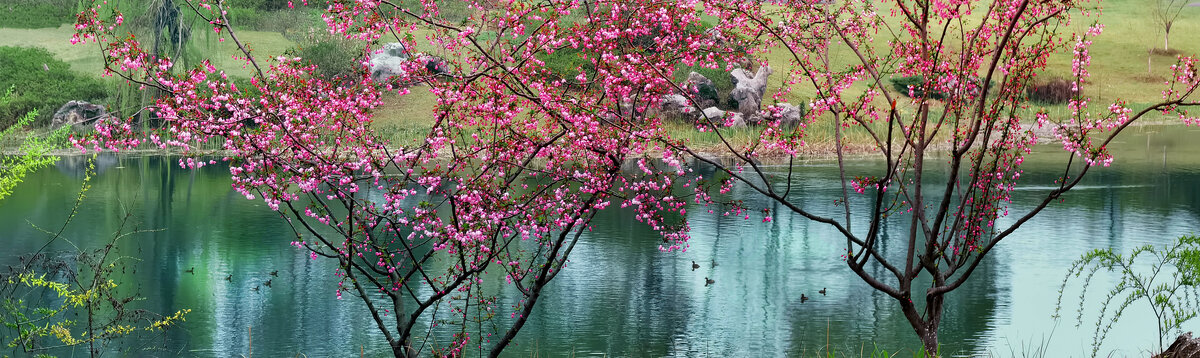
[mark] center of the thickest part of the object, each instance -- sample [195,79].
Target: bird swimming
[709,281]
[695,265]
[822,291]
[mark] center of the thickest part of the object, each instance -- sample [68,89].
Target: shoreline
[810,153]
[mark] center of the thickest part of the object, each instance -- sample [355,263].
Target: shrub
[1167,278]
[292,23]
[566,63]
[43,83]
[337,59]
[244,17]
[722,83]
[267,5]
[903,84]
[1054,91]
[917,83]
[36,14]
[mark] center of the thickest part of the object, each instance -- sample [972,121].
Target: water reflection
[621,296]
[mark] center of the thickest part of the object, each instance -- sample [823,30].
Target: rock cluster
[700,100]
[388,61]
[78,113]
[393,59]
[749,89]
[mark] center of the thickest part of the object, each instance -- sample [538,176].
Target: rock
[717,116]
[696,78]
[755,119]
[435,65]
[78,113]
[1184,347]
[713,113]
[395,49]
[699,93]
[703,90]
[715,34]
[677,107]
[749,89]
[388,61]
[394,60]
[385,67]
[736,120]
[786,114]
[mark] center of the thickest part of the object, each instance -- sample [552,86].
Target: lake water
[621,296]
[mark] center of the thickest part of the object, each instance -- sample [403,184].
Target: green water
[621,296]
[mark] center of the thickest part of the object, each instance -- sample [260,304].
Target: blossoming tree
[520,156]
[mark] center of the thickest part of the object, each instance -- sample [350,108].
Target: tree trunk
[399,352]
[404,350]
[926,326]
[1167,39]
[929,342]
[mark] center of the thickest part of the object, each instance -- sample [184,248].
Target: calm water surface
[621,296]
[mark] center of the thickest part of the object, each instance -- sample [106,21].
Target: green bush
[294,24]
[1166,278]
[43,83]
[918,82]
[267,5]
[37,14]
[566,64]
[1052,91]
[242,17]
[32,151]
[337,59]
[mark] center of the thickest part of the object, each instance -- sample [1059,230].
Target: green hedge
[337,59]
[918,82]
[37,14]
[42,82]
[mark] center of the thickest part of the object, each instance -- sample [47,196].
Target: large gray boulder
[749,88]
[698,79]
[719,117]
[388,61]
[78,113]
[393,60]
[713,113]
[677,107]
[702,89]
[787,114]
